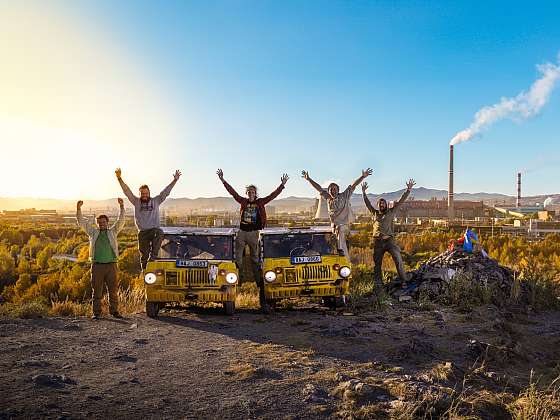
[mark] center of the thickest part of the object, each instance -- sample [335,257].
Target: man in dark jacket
[253,219]
[383,234]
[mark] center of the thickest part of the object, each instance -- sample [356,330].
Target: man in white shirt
[338,204]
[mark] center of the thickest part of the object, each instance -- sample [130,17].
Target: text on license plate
[192,263]
[306,260]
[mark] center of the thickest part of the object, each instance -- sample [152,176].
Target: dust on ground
[306,362]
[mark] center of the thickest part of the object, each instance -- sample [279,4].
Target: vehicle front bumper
[281,292]
[190,295]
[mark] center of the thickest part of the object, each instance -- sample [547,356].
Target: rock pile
[433,278]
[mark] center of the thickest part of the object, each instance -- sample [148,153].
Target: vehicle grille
[314,272]
[171,278]
[198,278]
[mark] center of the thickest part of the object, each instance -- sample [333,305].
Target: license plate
[191,263]
[306,260]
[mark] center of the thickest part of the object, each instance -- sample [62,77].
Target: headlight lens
[345,272]
[231,278]
[150,278]
[270,276]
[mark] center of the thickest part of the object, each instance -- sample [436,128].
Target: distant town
[529,216]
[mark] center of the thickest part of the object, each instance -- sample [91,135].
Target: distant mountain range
[292,204]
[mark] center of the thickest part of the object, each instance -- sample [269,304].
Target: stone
[125,358]
[52,380]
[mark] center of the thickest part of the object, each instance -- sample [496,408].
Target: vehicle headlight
[345,272]
[270,276]
[231,278]
[150,278]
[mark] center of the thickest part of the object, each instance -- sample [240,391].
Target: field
[375,359]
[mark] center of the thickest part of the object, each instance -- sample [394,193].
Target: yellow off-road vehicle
[305,262]
[194,264]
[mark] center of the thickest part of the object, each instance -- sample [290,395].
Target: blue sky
[262,87]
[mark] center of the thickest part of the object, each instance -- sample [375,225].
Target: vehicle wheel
[340,301]
[152,309]
[328,301]
[266,308]
[229,308]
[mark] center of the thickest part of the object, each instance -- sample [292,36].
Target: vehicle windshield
[197,247]
[299,245]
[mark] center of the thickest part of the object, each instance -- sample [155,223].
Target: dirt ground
[296,363]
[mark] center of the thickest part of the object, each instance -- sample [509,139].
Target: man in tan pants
[253,219]
[103,253]
[338,204]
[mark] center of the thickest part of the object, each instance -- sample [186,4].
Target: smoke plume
[521,107]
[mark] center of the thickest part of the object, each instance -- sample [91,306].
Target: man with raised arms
[384,235]
[338,204]
[146,216]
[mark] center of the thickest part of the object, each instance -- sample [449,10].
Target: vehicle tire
[229,307]
[328,301]
[340,301]
[152,309]
[268,306]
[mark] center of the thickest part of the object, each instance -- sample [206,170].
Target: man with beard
[253,219]
[338,204]
[146,216]
[103,253]
[383,234]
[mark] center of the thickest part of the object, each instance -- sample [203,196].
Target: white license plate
[306,260]
[191,263]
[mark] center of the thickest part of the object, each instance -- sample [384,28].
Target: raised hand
[367,172]
[364,186]
[177,174]
[121,202]
[305,175]
[284,179]
[118,172]
[79,204]
[411,183]
[220,174]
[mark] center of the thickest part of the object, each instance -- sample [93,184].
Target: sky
[259,88]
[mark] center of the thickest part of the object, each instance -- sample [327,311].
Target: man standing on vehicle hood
[383,234]
[253,219]
[103,253]
[338,204]
[146,217]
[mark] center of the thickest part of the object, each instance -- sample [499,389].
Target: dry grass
[131,301]
[278,356]
[441,372]
[27,310]
[537,403]
[247,296]
[240,371]
[69,308]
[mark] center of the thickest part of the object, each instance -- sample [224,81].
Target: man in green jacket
[103,254]
[383,234]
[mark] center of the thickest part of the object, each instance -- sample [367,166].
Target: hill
[289,204]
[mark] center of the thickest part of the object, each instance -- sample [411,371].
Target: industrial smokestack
[450,204]
[518,201]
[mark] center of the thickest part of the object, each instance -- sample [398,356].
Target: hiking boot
[95,317]
[117,315]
